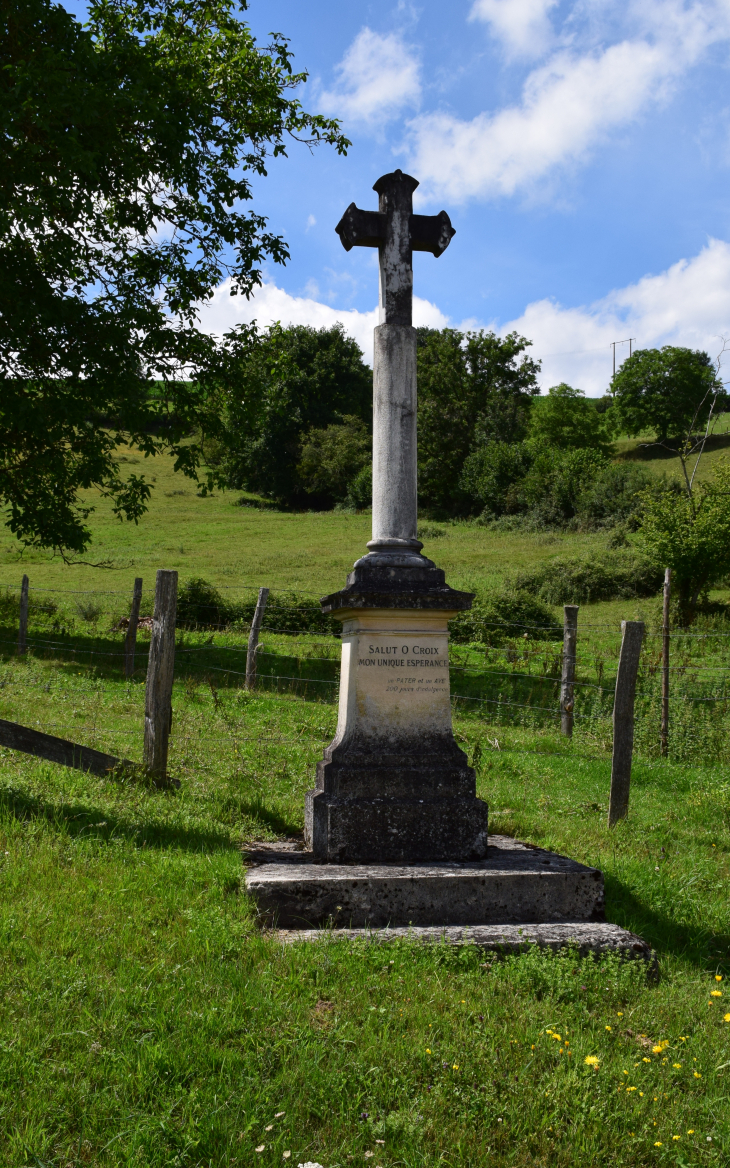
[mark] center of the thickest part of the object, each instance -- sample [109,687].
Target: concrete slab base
[585,936]
[516,883]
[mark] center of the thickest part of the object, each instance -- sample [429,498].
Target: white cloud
[377,78]
[271,303]
[689,304]
[568,106]
[522,25]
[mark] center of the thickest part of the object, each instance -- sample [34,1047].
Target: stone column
[395,508]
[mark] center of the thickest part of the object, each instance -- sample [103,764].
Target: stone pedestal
[394,786]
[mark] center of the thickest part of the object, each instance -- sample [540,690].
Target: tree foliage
[689,532]
[293,382]
[129,150]
[473,388]
[565,419]
[668,392]
[333,460]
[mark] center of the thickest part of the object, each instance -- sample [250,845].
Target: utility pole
[630,341]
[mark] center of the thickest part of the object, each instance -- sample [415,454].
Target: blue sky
[581,149]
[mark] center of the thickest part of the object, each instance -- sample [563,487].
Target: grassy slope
[234,546]
[146,1022]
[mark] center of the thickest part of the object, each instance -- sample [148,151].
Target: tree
[293,381]
[566,419]
[473,388]
[668,391]
[333,458]
[690,533]
[129,149]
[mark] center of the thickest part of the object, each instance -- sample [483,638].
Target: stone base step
[515,883]
[585,936]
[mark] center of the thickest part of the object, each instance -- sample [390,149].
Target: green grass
[147,1021]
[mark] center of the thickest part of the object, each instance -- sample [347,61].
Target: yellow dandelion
[427,1051]
[657,1143]
[718,977]
[631,1088]
[608,1028]
[691,1131]
[677,1066]
[697,1075]
[455,1067]
[675,1137]
[591,1061]
[646,1060]
[620,1014]
[626,1072]
[715,993]
[726,1018]
[657,1049]
[642,1094]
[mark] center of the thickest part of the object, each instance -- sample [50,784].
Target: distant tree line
[298,427]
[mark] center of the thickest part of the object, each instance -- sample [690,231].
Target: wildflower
[268,1127]
[677,1066]
[675,1137]
[642,1094]
[380,1141]
[455,1067]
[260,1148]
[591,1061]
[608,1028]
[463,1001]
[715,993]
[726,1018]
[286,1154]
[533,1046]
[718,977]
[658,1144]
[368,1155]
[279,1114]
[691,1131]
[630,1089]
[646,1060]
[620,1014]
[626,1072]
[697,1075]
[657,1049]
[427,1051]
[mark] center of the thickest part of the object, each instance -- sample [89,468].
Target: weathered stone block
[514,883]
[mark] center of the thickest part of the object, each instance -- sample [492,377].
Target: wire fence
[513,680]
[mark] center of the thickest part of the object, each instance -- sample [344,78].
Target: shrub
[503,615]
[201,605]
[614,496]
[624,576]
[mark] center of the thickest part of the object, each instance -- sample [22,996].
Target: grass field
[146,1021]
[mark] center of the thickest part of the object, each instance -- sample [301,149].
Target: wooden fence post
[570,637]
[23,622]
[632,635]
[160,673]
[253,638]
[130,641]
[665,662]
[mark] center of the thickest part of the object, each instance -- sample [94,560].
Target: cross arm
[431,233]
[361,228]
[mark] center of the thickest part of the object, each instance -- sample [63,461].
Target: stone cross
[394,786]
[397,233]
